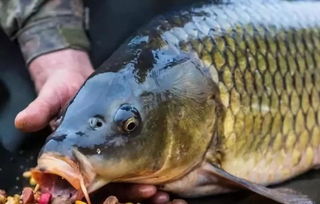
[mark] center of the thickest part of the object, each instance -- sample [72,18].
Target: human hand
[57,77]
[126,192]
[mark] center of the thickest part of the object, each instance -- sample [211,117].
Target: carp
[204,100]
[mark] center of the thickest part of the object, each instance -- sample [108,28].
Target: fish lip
[54,167]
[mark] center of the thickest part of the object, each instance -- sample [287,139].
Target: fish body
[218,92]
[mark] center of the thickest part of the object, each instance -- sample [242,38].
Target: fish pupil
[131,126]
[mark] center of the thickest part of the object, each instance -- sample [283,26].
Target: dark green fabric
[40,25]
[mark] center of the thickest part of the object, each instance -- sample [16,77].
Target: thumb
[38,113]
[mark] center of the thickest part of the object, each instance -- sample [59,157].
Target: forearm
[44,26]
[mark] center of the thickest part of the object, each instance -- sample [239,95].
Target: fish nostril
[95,122]
[99,124]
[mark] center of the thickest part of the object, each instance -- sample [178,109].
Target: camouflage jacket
[43,26]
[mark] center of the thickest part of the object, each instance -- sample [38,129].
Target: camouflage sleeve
[43,26]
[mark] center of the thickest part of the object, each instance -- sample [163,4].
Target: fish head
[120,128]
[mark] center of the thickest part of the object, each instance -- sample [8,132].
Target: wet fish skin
[233,84]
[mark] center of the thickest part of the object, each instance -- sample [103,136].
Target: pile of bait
[35,196]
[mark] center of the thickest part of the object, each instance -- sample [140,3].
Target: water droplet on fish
[99,151]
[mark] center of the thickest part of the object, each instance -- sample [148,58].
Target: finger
[35,116]
[111,200]
[54,123]
[177,201]
[131,192]
[160,198]
[38,113]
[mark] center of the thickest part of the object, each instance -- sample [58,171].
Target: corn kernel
[26,174]
[32,181]
[80,202]
[13,199]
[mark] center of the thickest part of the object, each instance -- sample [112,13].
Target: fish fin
[198,183]
[281,195]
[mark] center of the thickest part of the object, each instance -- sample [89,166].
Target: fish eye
[130,125]
[127,118]
[95,122]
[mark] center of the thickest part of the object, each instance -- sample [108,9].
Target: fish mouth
[61,177]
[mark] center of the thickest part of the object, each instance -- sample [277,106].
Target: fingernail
[162,198]
[18,120]
[147,191]
[179,201]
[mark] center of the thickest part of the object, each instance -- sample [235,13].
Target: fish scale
[266,56]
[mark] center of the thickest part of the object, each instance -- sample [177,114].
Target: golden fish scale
[269,81]
[271,126]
